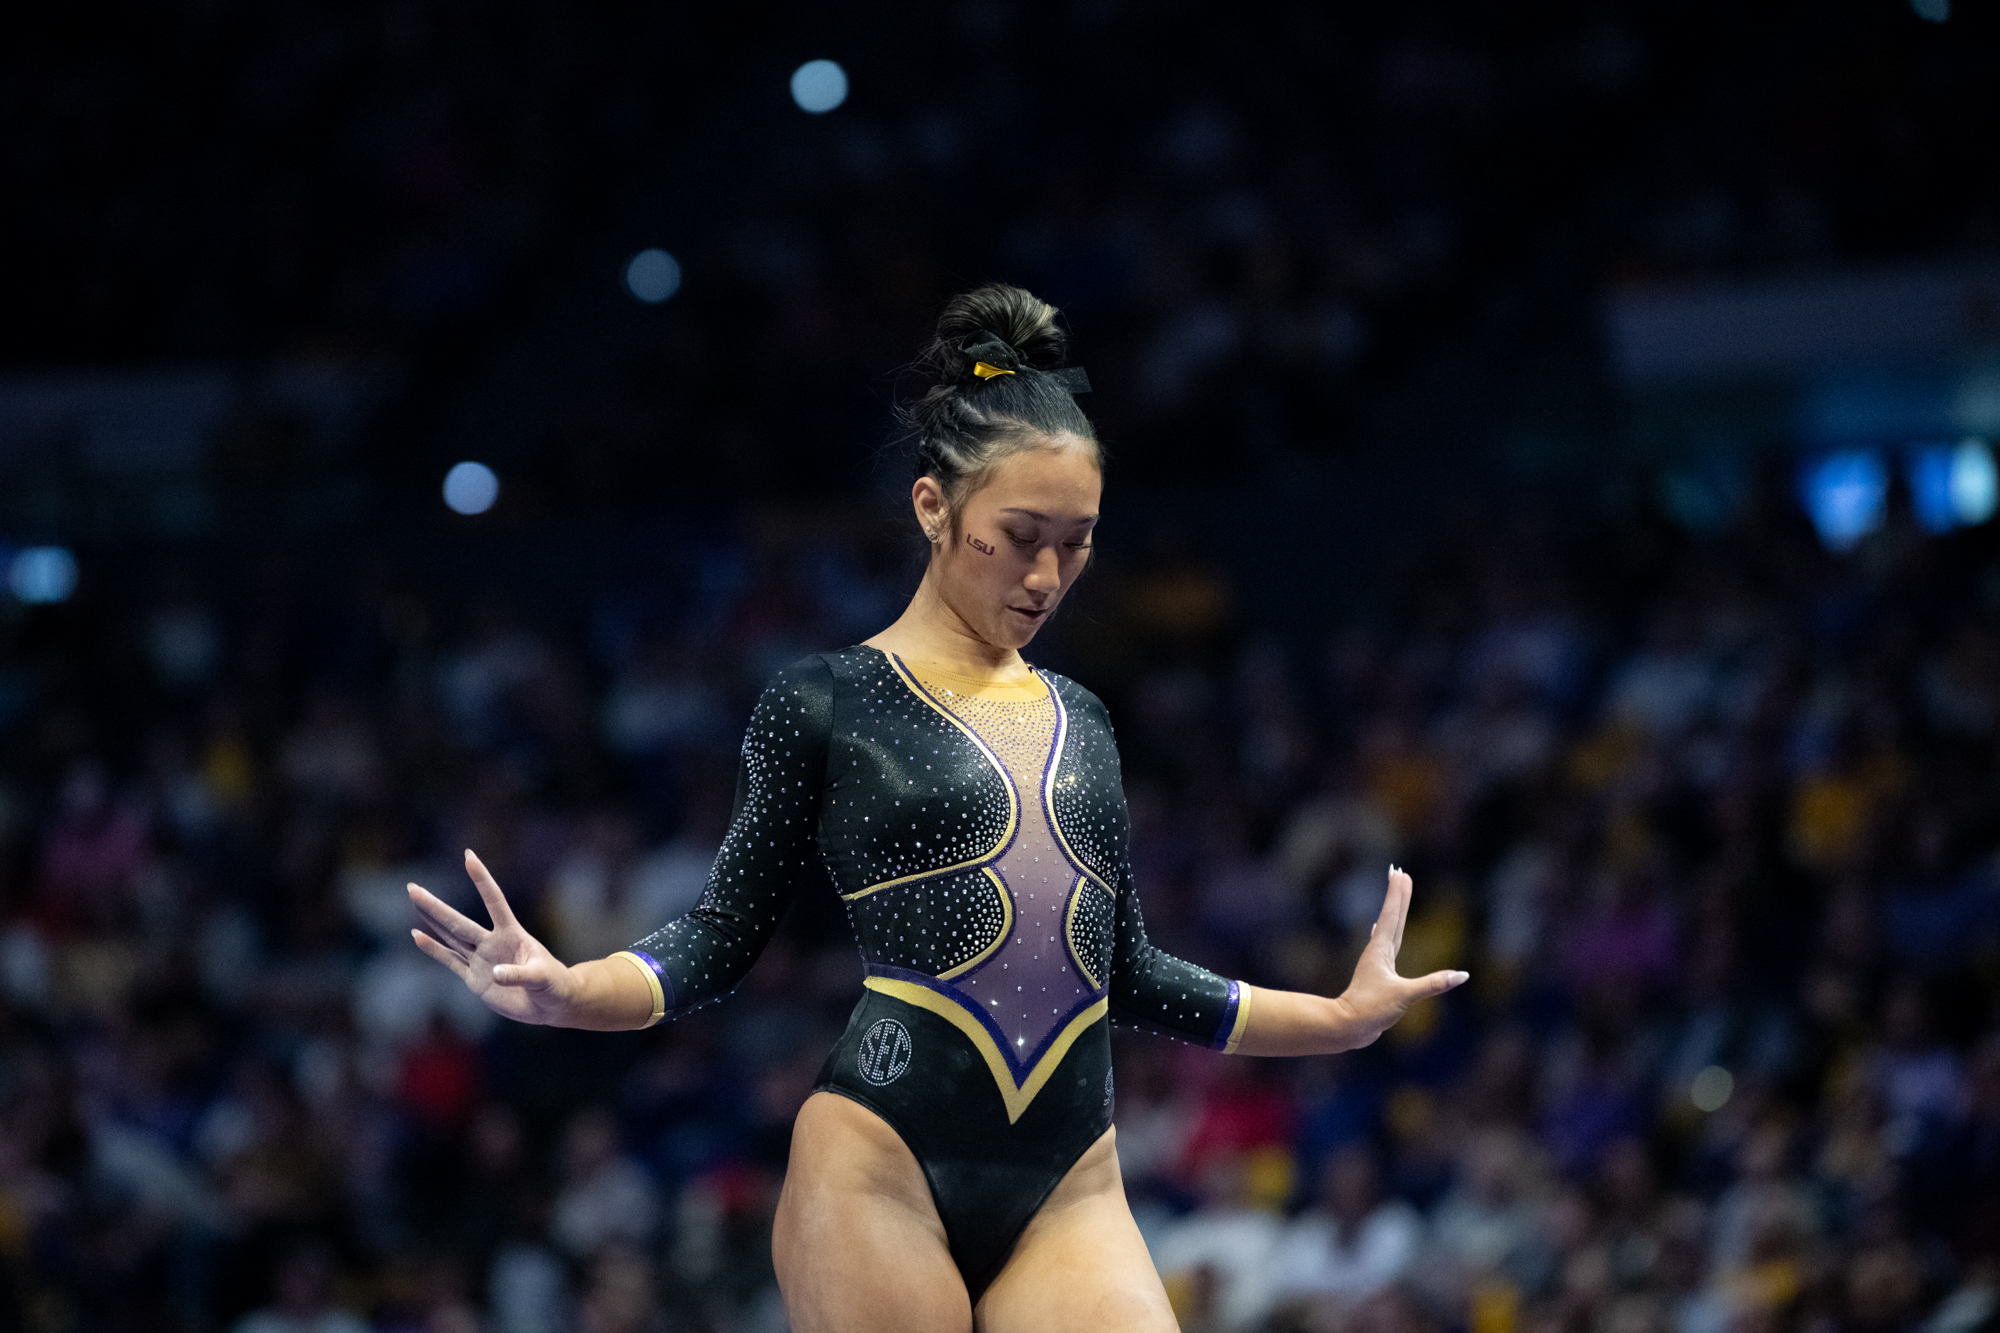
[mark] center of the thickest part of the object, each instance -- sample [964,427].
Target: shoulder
[808,672]
[799,692]
[1089,720]
[1075,697]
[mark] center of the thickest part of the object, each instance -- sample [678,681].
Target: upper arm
[771,843]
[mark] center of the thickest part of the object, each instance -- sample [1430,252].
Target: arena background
[1551,448]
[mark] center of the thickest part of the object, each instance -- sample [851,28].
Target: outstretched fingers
[1402,888]
[1388,927]
[441,953]
[489,892]
[447,922]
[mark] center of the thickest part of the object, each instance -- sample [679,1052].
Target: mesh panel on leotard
[1030,986]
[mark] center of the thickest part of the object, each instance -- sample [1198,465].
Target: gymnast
[954,1167]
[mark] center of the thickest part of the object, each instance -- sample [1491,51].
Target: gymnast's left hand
[1378,995]
[511,971]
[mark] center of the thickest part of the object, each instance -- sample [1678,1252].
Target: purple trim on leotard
[667,984]
[1226,1030]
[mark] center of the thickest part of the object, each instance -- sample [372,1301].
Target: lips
[1028,614]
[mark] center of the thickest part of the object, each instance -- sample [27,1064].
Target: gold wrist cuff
[1242,1024]
[652,982]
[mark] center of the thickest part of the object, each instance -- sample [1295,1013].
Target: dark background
[1417,546]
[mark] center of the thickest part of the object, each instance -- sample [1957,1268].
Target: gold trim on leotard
[1242,1024]
[1076,892]
[1016,1098]
[959,1014]
[1049,798]
[652,981]
[992,854]
[1000,938]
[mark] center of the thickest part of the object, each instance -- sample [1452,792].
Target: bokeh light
[1846,494]
[1952,485]
[1929,475]
[1711,1088]
[1974,485]
[653,276]
[471,488]
[42,575]
[818,86]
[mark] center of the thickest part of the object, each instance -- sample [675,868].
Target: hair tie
[991,355]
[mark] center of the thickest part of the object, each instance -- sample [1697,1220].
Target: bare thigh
[1081,1264]
[857,1241]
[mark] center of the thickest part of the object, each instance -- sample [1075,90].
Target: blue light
[42,575]
[1952,485]
[1973,482]
[1845,494]
[471,488]
[1930,487]
[818,86]
[653,276]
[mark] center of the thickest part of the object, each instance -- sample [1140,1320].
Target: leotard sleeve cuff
[1235,1019]
[656,979]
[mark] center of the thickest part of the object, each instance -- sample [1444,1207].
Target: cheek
[981,576]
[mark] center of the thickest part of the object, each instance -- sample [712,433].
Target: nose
[1045,575]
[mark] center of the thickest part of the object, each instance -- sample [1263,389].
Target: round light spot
[471,488]
[1973,483]
[1846,495]
[42,575]
[818,86]
[1711,1088]
[653,276]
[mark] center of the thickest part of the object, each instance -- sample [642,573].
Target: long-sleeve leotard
[981,847]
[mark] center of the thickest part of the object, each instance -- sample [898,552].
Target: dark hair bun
[964,422]
[1017,318]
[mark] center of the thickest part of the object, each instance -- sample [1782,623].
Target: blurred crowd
[1712,822]
[1268,231]
[1711,818]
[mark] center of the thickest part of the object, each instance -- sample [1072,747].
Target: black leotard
[979,839]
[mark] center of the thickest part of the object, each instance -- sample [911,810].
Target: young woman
[954,1168]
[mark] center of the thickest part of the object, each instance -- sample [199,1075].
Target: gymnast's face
[1004,561]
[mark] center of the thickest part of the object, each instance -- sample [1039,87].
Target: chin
[1008,632]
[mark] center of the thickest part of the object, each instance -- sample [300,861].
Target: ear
[927,498]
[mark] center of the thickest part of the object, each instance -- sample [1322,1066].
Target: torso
[944,831]
[952,825]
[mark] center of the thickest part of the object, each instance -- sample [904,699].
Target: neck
[929,630]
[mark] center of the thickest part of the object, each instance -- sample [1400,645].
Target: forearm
[1283,1022]
[607,995]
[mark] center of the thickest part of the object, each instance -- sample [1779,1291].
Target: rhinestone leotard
[978,837]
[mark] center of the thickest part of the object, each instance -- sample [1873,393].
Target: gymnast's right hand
[506,967]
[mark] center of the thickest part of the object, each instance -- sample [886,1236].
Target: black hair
[966,422]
